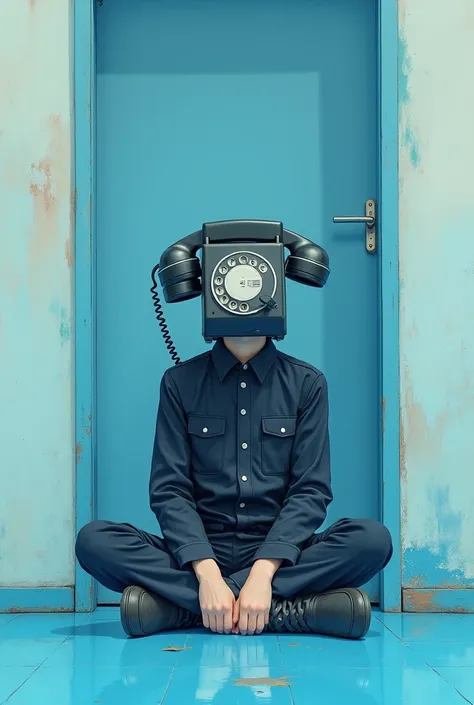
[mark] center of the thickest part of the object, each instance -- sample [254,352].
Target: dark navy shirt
[241,448]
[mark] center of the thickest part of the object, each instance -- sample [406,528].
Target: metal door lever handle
[370,221]
[355,219]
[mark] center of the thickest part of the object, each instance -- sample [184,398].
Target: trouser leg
[348,554]
[119,555]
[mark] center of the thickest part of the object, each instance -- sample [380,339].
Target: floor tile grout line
[165,694]
[12,617]
[292,699]
[283,666]
[280,650]
[53,652]
[33,672]
[23,683]
[452,686]
[385,626]
[178,655]
[407,645]
[38,667]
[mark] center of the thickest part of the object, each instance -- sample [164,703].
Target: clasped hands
[222,612]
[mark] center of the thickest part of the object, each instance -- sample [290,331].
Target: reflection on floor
[82,659]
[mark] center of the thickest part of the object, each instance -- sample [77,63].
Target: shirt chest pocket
[277,443]
[207,434]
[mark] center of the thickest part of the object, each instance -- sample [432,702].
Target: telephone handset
[241,278]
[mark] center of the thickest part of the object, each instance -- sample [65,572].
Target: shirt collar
[224,361]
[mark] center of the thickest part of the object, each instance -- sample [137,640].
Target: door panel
[217,109]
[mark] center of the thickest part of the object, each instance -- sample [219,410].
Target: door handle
[370,221]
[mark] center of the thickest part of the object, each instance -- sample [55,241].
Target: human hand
[252,609]
[215,598]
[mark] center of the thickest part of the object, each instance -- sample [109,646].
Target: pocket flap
[206,426]
[281,426]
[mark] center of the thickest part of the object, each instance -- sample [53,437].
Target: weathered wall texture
[36,420]
[437,291]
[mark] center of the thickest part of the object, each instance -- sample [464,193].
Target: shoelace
[188,619]
[289,616]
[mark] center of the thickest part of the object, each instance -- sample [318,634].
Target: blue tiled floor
[86,659]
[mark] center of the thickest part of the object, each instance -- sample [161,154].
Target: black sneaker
[341,613]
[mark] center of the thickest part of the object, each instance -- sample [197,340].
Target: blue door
[217,109]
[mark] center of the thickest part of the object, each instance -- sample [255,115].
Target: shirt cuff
[273,550]
[198,551]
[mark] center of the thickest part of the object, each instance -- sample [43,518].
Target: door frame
[85,284]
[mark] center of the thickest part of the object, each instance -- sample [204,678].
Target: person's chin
[248,338]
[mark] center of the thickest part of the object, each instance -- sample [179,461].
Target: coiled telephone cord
[160,317]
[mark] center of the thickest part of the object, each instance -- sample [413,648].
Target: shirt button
[242,505]
[283,430]
[205,430]
[243,412]
[243,385]
[244,478]
[244,446]
[245,367]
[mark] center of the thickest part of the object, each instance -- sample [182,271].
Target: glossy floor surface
[66,659]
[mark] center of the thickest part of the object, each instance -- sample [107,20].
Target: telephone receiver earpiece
[307,263]
[179,269]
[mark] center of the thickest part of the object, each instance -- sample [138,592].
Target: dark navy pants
[347,554]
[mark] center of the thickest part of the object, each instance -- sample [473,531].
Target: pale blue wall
[437,293]
[36,403]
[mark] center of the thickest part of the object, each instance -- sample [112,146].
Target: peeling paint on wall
[404,61]
[439,564]
[452,600]
[412,146]
[409,140]
[36,402]
[49,187]
[437,294]
[67,253]
[64,321]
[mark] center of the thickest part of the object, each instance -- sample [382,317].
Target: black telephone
[242,277]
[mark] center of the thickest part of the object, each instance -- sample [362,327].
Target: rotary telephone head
[241,278]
